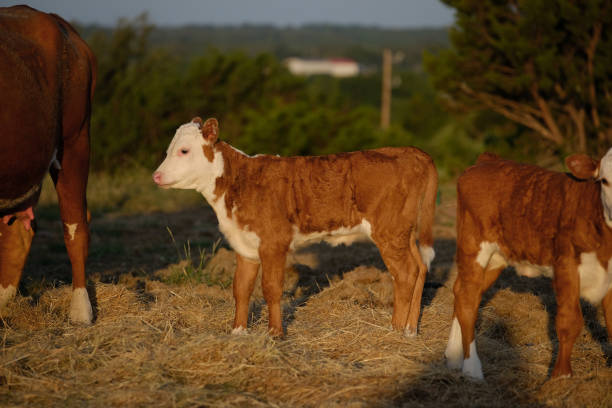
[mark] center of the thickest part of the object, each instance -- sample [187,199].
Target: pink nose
[157,176]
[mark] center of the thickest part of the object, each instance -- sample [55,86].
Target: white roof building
[336,67]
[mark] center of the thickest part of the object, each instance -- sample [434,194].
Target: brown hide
[394,189]
[47,77]
[525,209]
[534,215]
[271,194]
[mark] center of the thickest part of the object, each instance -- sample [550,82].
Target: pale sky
[383,13]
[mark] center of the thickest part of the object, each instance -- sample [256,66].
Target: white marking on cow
[243,241]
[239,331]
[71,229]
[530,270]
[191,170]
[595,281]
[6,294]
[487,249]
[471,365]
[342,235]
[427,255]
[410,332]
[454,347]
[80,307]
[605,172]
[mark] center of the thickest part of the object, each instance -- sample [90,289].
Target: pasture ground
[161,290]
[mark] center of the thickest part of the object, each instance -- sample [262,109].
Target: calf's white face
[605,176]
[186,166]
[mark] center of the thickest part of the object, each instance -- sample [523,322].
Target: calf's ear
[210,130]
[582,166]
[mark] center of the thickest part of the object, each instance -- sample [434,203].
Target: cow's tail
[426,218]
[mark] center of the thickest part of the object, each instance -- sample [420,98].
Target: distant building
[336,67]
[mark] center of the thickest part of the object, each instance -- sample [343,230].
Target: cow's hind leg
[476,273]
[402,264]
[272,275]
[15,242]
[71,184]
[244,282]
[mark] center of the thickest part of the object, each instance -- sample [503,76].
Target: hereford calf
[268,205]
[542,223]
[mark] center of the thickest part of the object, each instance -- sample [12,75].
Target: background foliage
[151,80]
[518,80]
[545,64]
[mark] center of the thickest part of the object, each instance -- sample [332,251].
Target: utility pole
[385,105]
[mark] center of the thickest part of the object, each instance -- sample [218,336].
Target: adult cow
[47,78]
[542,223]
[268,205]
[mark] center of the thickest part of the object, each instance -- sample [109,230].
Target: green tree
[545,64]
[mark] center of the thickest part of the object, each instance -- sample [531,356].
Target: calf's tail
[426,216]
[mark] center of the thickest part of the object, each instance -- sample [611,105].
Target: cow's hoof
[239,331]
[6,294]
[410,332]
[80,307]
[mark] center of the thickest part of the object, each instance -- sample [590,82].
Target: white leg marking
[471,366]
[487,249]
[80,308]
[410,332]
[239,331]
[71,230]
[6,294]
[454,348]
[427,255]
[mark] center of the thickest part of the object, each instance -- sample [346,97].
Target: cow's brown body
[47,77]
[541,222]
[267,205]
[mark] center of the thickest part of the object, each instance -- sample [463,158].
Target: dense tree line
[543,64]
[145,92]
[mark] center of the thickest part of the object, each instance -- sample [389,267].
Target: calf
[542,223]
[268,205]
[47,77]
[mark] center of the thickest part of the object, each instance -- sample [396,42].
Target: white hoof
[410,332]
[471,366]
[454,348]
[80,307]
[239,331]
[6,294]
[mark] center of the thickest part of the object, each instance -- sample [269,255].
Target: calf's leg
[417,293]
[272,275]
[15,242]
[607,309]
[402,264]
[476,273]
[244,282]
[569,320]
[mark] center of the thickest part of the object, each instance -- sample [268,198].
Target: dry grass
[160,344]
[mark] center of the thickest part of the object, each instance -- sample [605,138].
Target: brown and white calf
[542,223]
[47,78]
[268,205]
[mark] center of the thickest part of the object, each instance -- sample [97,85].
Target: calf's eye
[184,151]
[604,181]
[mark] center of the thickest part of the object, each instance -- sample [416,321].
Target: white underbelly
[595,280]
[246,242]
